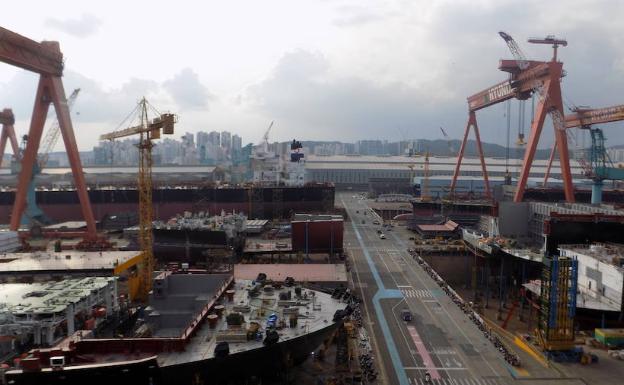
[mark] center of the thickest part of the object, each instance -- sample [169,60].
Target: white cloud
[84,26]
[187,90]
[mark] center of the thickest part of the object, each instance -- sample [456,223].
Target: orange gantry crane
[526,77]
[7,119]
[147,130]
[45,58]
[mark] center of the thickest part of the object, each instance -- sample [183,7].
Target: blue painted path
[383,293]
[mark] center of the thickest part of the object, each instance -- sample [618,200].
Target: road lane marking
[423,352]
[399,323]
[382,293]
[422,282]
[415,293]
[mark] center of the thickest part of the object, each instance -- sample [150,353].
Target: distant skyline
[322,70]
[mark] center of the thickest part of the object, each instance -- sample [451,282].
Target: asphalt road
[440,339]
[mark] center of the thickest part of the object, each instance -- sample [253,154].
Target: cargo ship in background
[256,201]
[198,329]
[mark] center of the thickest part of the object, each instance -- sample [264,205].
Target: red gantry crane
[526,78]
[584,118]
[7,119]
[45,59]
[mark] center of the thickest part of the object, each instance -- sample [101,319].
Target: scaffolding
[558,304]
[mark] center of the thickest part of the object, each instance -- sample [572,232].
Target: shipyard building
[363,172]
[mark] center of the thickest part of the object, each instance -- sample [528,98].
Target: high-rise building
[237,143]
[188,140]
[214,138]
[202,139]
[226,139]
[372,147]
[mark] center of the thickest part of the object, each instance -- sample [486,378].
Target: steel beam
[42,58]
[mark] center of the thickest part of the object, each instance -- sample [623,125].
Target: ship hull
[270,363]
[256,202]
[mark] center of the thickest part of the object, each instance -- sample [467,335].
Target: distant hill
[441,147]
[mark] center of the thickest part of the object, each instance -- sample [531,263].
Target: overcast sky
[322,70]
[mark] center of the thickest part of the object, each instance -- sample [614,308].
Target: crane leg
[550,162]
[462,148]
[13,139]
[488,194]
[564,161]
[8,132]
[3,141]
[40,112]
[529,153]
[67,130]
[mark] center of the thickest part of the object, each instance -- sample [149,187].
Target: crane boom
[42,58]
[54,132]
[515,50]
[586,117]
[448,141]
[164,122]
[265,137]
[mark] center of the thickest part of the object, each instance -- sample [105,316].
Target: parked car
[406,315]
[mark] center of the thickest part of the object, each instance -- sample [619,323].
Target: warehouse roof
[312,159]
[49,297]
[419,166]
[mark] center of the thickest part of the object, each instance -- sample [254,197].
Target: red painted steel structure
[7,119]
[585,118]
[525,78]
[317,236]
[46,59]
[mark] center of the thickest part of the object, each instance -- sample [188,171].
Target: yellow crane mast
[147,131]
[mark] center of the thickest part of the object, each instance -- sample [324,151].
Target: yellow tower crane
[147,131]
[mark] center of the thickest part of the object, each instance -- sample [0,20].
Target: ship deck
[174,344]
[315,312]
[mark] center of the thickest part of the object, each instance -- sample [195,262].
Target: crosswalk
[455,381]
[416,293]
